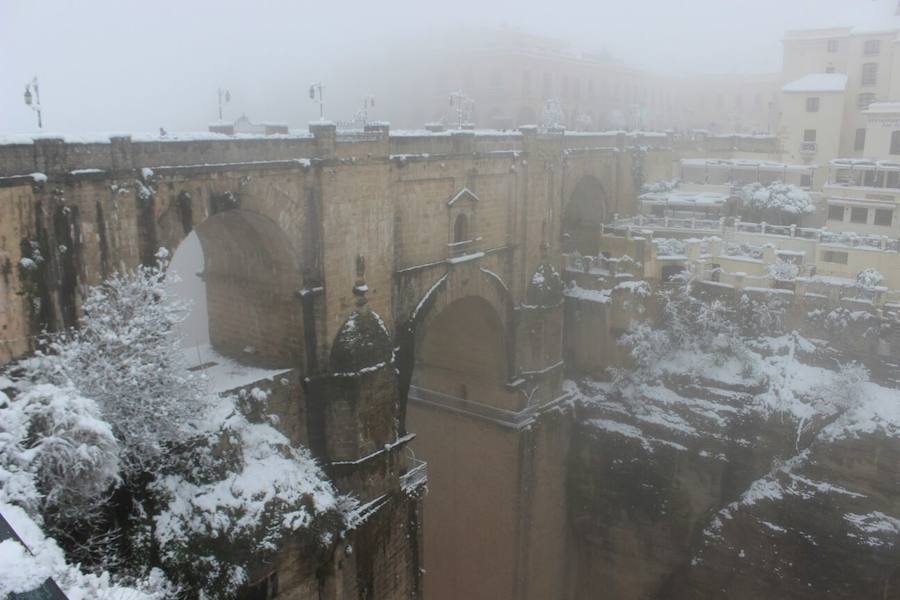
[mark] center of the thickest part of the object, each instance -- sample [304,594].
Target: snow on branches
[232,496]
[780,202]
[126,357]
[870,278]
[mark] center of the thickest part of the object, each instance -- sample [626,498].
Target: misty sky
[121,65]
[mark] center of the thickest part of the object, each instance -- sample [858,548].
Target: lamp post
[463,105]
[363,114]
[224,98]
[34,100]
[318,88]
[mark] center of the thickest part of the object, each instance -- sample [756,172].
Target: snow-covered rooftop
[818,82]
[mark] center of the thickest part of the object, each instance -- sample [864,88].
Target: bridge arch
[250,274]
[584,213]
[460,333]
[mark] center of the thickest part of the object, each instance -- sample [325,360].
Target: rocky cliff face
[766,477]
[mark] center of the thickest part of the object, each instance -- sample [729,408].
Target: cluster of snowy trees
[704,337]
[778,203]
[116,466]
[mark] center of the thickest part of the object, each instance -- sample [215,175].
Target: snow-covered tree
[777,202]
[231,496]
[783,270]
[58,458]
[761,316]
[127,358]
[870,278]
[552,114]
[660,186]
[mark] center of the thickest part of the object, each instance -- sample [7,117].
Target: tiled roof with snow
[818,82]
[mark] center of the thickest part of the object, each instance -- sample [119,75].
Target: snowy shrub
[870,278]
[842,322]
[57,457]
[552,114]
[232,496]
[779,202]
[687,324]
[761,316]
[661,186]
[669,247]
[845,390]
[783,270]
[126,357]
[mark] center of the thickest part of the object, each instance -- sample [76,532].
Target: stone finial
[360,288]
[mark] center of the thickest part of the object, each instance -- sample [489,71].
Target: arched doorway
[584,214]
[240,272]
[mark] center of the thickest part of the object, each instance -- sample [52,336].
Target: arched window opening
[461,229]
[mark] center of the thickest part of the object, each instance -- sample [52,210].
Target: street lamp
[224,98]
[464,106]
[34,101]
[363,114]
[318,88]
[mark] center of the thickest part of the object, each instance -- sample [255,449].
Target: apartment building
[832,76]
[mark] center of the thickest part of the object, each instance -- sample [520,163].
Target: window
[806,181]
[870,74]
[812,104]
[893,179]
[872,47]
[859,214]
[829,68]
[864,100]
[809,135]
[831,256]
[460,229]
[859,142]
[884,217]
[832,45]
[835,212]
[895,142]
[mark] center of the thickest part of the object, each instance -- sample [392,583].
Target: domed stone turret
[545,288]
[363,342]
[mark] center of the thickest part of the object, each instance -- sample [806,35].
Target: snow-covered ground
[222,374]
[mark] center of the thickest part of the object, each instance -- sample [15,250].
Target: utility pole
[318,88]
[34,101]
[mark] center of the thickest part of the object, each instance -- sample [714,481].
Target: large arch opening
[584,214]
[240,273]
[458,406]
[461,353]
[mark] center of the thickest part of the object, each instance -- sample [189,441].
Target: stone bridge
[451,240]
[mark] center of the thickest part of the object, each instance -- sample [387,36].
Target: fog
[109,65]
